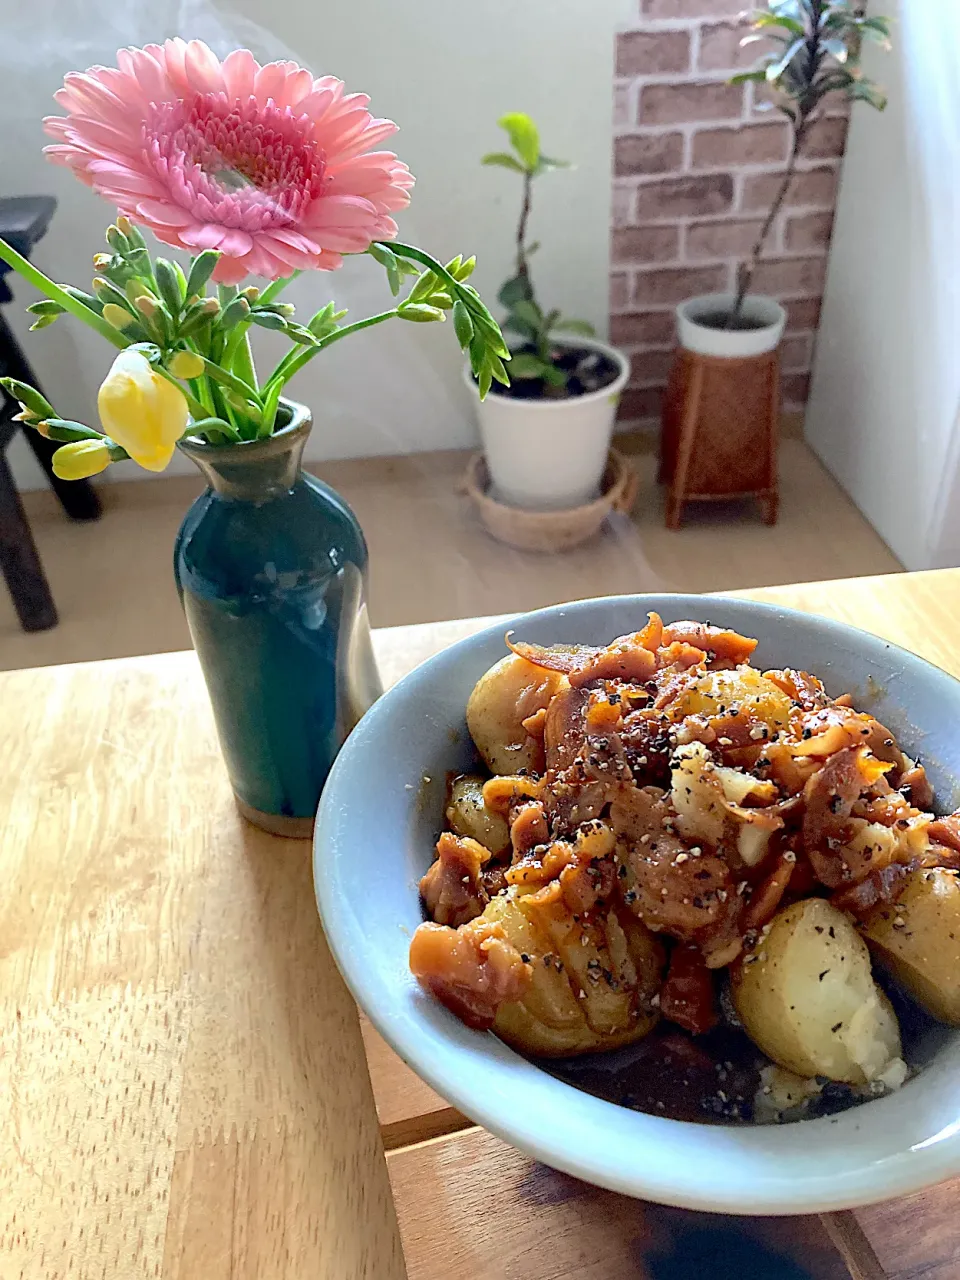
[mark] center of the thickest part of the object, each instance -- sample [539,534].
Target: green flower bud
[420,313]
[29,397]
[186,364]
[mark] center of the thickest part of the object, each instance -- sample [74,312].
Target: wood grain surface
[470,1206]
[182,1092]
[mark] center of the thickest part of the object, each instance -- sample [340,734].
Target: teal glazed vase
[271,567]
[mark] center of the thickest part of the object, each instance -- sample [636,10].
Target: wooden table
[182,1083]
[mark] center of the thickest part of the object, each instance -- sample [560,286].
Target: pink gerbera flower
[264,163]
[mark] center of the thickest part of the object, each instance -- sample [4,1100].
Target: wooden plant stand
[720,426]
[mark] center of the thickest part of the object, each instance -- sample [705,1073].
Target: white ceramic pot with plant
[815,54]
[546,436]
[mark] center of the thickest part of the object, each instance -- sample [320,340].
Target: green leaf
[513,325]
[529,313]
[867,91]
[484,378]
[553,376]
[270,402]
[776,69]
[545,163]
[388,260]
[201,269]
[747,77]
[462,324]
[524,136]
[46,307]
[87,299]
[503,160]
[583,327]
[531,249]
[514,291]
[792,24]
[791,10]
[836,49]
[43,322]
[498,371]
[527,365]
[478,353]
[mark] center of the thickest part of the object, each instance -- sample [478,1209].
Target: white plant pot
[731,343]
[549,455]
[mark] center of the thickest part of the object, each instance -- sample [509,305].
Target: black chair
[23,221]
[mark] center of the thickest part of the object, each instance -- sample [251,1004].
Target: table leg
[20,560]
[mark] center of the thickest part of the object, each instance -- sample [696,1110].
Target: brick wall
[695,168]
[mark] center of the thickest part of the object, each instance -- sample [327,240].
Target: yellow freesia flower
[142,411]
[80,459]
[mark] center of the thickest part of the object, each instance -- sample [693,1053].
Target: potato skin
[923,955]
[550,1020]
[502,699]
[809,1000]
[467,815]
[742,687]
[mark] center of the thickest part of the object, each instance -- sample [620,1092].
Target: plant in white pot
[546,436]
[814,56]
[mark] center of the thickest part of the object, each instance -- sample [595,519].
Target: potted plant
[546,435]
[815,55]
[269,172]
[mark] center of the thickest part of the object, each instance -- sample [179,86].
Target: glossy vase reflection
[271,568]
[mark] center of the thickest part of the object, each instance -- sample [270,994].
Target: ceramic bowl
[379,817]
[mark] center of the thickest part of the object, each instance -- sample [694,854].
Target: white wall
[444,70]
[884,413]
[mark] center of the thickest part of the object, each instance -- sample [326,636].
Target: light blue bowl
[376,827]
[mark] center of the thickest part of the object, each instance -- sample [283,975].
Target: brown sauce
[713,1079]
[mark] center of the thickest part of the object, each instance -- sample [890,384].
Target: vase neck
[254,470]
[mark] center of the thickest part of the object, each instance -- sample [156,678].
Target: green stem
[238,356]
[425,260]
[288,368]
[196,408]
[273,291]
[52,290]
[231,380]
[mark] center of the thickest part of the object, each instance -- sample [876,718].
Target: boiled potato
[809,1000]
[469,816]
[742,688]
[566,1008]
[503,698]
[923,952]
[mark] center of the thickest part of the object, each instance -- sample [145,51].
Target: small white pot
[549,455]
[731,343]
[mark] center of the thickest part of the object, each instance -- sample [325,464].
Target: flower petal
[164,214]
[202,67]
[234,242]
[206,236]
[239,72]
